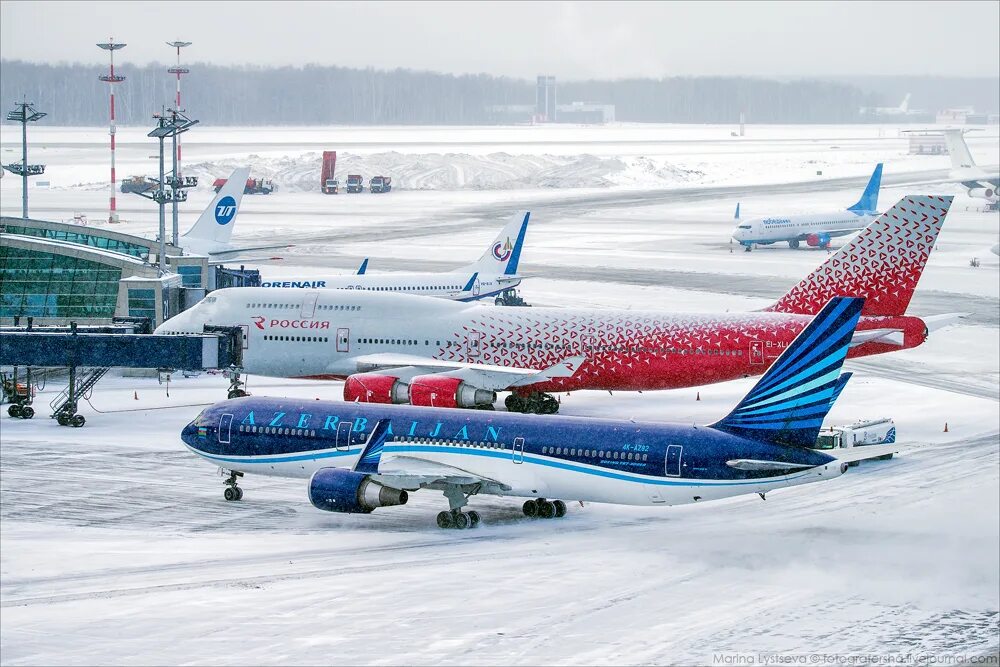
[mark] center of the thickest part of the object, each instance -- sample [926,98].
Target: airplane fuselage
[440,285]
[566,457]
[813,228]
[327,334]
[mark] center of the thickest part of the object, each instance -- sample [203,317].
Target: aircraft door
[225,426]
[517,453]
[475,344]
[343,340]
[756,352]
[344,435]
[672,467]
[309,305]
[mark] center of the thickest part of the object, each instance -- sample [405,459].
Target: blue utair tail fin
[737,216]
[363,267]
[869,198]
[372,453]
[787,406]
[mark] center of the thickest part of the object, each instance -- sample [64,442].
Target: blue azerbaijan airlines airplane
[360,456]
[815,229]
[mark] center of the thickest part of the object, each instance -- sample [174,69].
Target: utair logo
[502,253]
[225,210]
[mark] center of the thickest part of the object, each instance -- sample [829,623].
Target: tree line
[319,95]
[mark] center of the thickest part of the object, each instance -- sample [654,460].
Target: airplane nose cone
[189,435]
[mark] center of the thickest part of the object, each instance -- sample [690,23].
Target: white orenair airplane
[211,233]
[816,229]
[493,273]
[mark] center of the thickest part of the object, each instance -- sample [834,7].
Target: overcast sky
[571,40]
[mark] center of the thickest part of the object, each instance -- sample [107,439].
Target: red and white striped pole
[112,79]
[178,70]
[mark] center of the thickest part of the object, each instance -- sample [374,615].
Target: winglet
[737,216]
[372,453]
[472,281]
[363,267]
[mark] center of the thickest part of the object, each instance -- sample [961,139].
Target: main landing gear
[455,517]
[536,403]
[232,492]
[544,509]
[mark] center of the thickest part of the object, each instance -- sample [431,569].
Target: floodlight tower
[24,113]
[111,46]
[178,70]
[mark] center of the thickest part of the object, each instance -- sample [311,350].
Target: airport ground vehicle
[328,184]
[18,394]
[380,184]
[355,183]
[254,186]
[859,434]
[138,184]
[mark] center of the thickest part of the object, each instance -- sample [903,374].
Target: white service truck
[860,433]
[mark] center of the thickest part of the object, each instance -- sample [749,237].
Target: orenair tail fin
[504,253]
[217,220]
[788,405]
[882,263]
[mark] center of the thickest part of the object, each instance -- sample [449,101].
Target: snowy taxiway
[116,544]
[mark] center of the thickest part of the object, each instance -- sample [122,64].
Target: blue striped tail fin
[787,406]
[372,453]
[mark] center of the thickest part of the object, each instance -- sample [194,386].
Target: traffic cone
[697,396]
[135,395]
[946,427]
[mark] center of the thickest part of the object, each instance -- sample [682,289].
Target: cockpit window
[744,227]
[209,299]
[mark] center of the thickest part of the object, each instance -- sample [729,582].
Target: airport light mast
[111,46]
[178,70]
[167,125]
[24,113]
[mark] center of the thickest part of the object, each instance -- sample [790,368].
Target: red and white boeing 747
[394,348]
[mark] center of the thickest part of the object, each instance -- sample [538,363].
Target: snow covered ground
[116,545]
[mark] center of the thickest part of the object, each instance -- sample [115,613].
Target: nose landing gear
[232,492]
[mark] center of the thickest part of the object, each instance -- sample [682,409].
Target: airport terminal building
[55,272]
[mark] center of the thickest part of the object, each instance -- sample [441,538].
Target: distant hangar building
[548,110]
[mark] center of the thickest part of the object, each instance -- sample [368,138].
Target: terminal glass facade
[82,238]
[43,284]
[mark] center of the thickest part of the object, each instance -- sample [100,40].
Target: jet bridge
[88,356]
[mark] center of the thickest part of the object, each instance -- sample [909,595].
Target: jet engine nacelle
[445,392]
[340,490]
[375,388]
[818,240]
[982,193]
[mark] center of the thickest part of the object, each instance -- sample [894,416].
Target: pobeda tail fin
[882,263]
[218,219]
[869,198]
[787,406]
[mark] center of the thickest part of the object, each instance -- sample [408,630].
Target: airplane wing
[485,376]
[411,471]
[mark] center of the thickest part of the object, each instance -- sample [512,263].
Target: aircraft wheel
[14,410]
[515,403]
[546,510]
[444,520]
[76,421]
[746,248]
[793,244]
[230,494]
[530,508]
[239,493]
[27,412]
[560,508]
[461,520]
[474,518]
